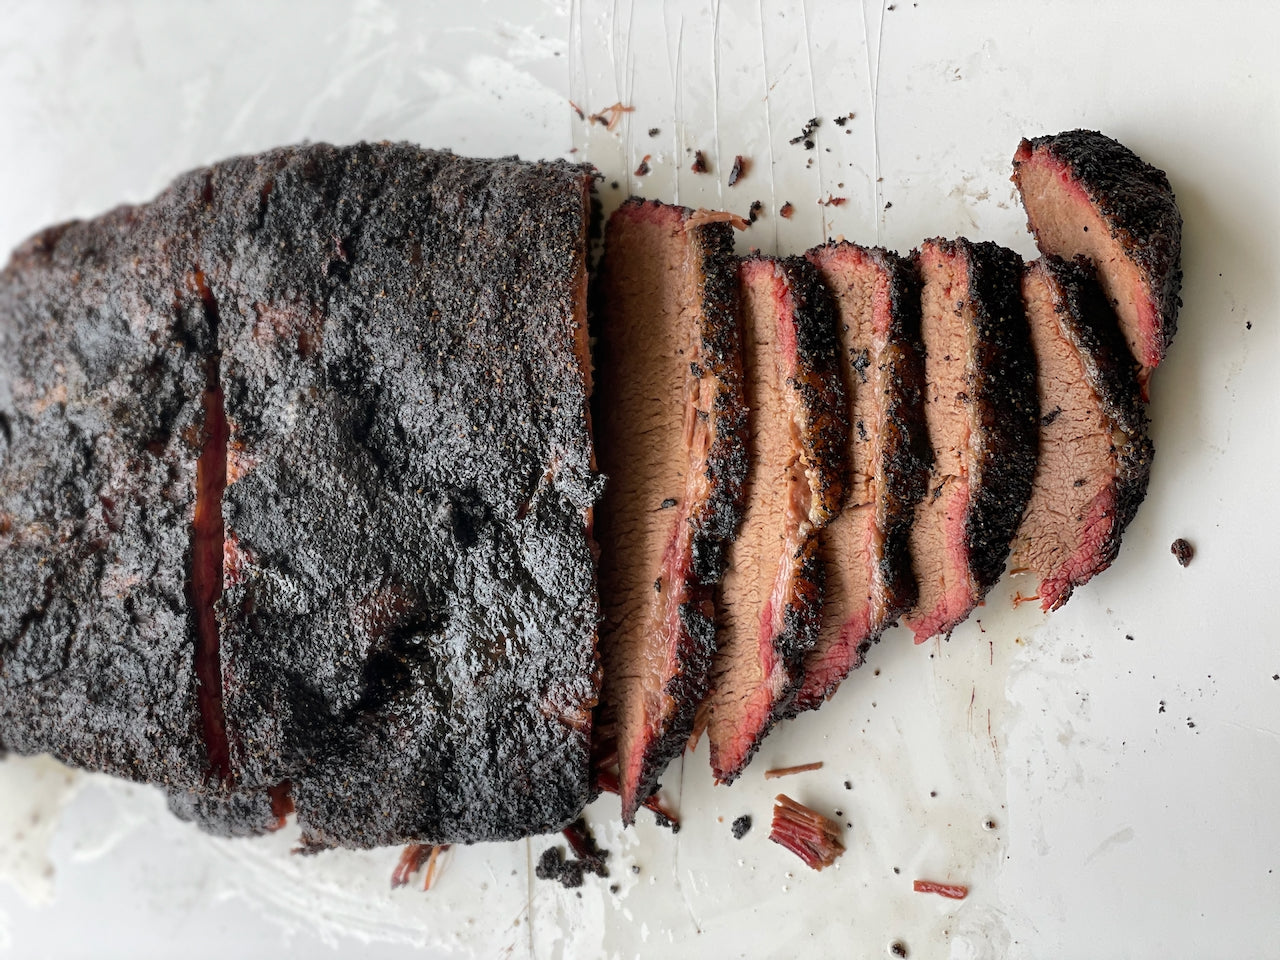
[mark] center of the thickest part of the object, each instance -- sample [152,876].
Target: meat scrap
[610,116]
[790,771]
[772,594]
[865,550]
[1182,551]
[983,419]
[669,336]
[703,216]
[952,891]
[412,859]
[813,838]
[1085,194]
[1095,455]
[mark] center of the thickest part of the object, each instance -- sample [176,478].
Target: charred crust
[1135,199]
[1003,384]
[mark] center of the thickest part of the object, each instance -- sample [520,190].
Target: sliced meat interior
[771,596]
[1087,195]
[865,550]
[981,412]
[671,438]
[1095,456]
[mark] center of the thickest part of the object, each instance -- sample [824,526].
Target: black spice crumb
[654,131]
[896,870]
[635,868]
[933,793]
[841,121]
[848,785]
[1248,324]
[1275,676]
[898,948]
[615,887]
[643,169]
[1183,551]
[739,168]
[1161,710]
[662,820]
[1191,723]
[1051,416]
[668,503]
[753,214]
[1128,636]
[889,205]
[699,162]
[786,211]
[614,184]
[806,133]
[741,826]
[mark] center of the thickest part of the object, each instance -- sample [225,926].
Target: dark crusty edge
[1135,199]
[908,454]
[1005,405]
[1090,325]
[717,520]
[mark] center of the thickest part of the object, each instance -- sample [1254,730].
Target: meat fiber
[671,430]
[865,550]
[772,594]
[1085,194]
[1095,456]
[403,596]
[981,411]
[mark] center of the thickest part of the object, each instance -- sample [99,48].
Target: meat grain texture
[1095,455]
[1087,195]
[771,598]
[671,432]
[981,412]
[408,607]
[865,550]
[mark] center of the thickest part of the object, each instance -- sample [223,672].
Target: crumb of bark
[1128,636]
[699,162]
[806,133]
[753,213]
[1161,710]
[786,211]
[662,820]
[654,131]
[643,169]
[841,121]
[889,205]
[738,170]
[741,826]
[1183,551]
[898,948]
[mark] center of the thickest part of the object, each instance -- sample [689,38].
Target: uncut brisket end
[104,339]
[409,614]
[1095,456]
[771,597]
[1087,195]
[865,550]
[671,438]
[982,416]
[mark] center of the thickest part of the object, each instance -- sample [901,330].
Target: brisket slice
[981,411]
[865,550]
[103,346]
[1085,194]
[671,431]
[409,616]
[1095,456]
[771,597]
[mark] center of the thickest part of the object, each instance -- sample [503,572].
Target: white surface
[1121,831]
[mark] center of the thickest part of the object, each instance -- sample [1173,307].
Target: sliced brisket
[1095,456]
[671,428]
[865,550]
[772,594]
[1085,194]
[981,411]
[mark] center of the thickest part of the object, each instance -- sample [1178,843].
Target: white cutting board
[1119,830]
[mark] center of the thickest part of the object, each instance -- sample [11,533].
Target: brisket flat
[1095,456]
[1085,194]
[865,550]
[397,574]
[981,411]
[671,432]
[771,597]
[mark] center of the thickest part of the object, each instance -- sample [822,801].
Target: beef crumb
[786,211]
[753,213]
[643,169]
[741,826]
[813,838]
[739,168]
[699,162]
[833,201]
[806,133]
[1183,551]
